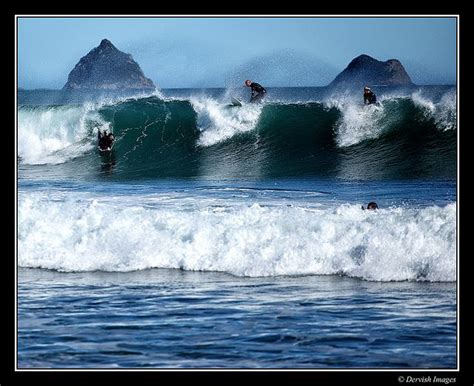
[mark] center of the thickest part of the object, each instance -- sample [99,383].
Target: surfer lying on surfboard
[105,140]
[258,91]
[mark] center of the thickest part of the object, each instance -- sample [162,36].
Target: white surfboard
[236,102]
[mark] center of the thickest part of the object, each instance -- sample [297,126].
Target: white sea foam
[357,123]
[361,122]
[245,239]
[218,122]
[55,134]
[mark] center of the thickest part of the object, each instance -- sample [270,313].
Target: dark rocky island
[365,70]
[107,68]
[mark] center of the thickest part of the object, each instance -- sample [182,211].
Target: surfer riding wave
[105,141]
[258,91]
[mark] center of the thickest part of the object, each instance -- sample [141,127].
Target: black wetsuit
[369,97]
[258,92]
[104,140]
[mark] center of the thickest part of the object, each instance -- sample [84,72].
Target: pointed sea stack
[365,70]
[107,68]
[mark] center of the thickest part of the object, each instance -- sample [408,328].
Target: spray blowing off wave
[200,136]
[243,240]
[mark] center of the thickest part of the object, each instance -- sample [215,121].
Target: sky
[220,52]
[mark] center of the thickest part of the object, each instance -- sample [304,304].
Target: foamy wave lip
[245,240]
[443,112]
[55,134]
[358,122]
[218,122]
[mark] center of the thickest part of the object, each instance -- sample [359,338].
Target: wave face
[97,234]
[402,137]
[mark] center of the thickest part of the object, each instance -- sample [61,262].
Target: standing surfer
[369,96]
[258,91]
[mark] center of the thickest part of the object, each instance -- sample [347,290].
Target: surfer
[105,140]
[371,206]
[369,96]
[258,91]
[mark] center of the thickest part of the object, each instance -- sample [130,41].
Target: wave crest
[167,137]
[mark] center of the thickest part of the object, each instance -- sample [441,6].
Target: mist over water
[289,68]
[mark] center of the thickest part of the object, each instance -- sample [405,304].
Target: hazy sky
[217,52]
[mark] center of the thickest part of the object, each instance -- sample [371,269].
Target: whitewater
[240,237]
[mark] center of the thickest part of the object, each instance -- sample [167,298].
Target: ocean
[215,236]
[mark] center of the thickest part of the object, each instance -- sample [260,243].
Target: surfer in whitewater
[258,91]
[105,140]
[371,206]
[369,96]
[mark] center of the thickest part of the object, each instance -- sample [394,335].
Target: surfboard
[236,102]
[372,104]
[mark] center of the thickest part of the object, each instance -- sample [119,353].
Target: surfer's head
[372,206]
[366,88]
[248,82]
